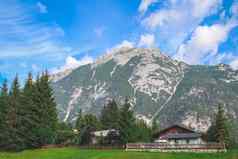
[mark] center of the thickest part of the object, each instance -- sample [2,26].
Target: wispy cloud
[177,19]
[234,64]
[72,63]
[123,44]
[204,43]
[22,35]
[42,8]
[144,5]
[147,40]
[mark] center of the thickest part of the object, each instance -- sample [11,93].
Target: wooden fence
[96,147]
[210,147]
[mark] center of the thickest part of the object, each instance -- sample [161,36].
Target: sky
[56,35]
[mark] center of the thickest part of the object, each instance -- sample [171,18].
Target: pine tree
[29,113]
[46,110]
[110,116]
[127,125]
[211,133]
[80,123]
[13,119]
[3,114]
[222,133]
[143,132]
[155,126]
[86,124]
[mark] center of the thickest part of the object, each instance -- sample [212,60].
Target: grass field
[75,153]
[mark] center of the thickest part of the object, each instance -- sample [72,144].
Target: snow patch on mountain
[194,91]
[150,77]
[193,120]
[100,91]
[73,100]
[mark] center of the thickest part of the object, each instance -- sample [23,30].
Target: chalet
[177,138]
[178,134]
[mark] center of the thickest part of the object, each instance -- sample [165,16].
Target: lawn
[75,153]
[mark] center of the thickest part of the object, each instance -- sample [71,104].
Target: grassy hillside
[74,153]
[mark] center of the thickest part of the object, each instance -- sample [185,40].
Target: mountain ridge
[155,84]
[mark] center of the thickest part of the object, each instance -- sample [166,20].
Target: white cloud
[204,43]
[176,20]
[234,64]
[147,40]
[123,44]
[225,57]
[126,44]
[180,12]
[72,63]
[42,8]
[144,5]
[234,9]
[22,35]
[203,8]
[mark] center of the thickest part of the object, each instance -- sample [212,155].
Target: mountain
[158,86]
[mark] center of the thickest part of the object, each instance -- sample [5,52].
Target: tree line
[116,117]
[28,116]
[28,119]
[221,128]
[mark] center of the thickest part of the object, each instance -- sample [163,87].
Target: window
[187,141]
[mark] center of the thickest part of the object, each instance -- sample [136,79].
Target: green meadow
[76,153]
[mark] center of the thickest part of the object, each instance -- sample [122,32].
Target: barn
[178,134]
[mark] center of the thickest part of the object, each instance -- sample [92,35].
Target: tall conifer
[3,114]
[13,118]
[222,133]
[44,100]
[127,123]
[110,116]
[29,111]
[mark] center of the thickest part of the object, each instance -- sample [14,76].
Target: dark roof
[176,125]
[182,136]
[180,126]
[189,130]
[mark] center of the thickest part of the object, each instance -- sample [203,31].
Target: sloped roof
[182,136]
[172,126]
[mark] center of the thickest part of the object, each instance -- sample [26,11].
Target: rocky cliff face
[158,86]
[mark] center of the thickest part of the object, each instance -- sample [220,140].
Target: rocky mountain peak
[158,86]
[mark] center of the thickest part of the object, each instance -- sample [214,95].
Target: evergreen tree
[211,133]
[29,113]
[3,114]
[46,110]
[143,132]
[13,119]
[127,125]
[222,133]
[86,124]
[155,126]
[110,116]
[80,123]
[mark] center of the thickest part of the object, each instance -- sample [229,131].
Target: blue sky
[58,35]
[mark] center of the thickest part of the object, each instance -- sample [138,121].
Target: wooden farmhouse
[177,138]
[177,134]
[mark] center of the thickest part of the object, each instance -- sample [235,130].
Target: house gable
[174,129]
